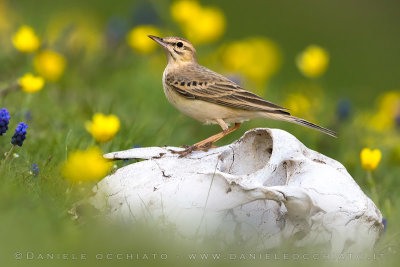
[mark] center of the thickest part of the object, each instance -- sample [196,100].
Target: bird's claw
[189,149]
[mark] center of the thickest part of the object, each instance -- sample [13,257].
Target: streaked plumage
[197,82]
[210,97]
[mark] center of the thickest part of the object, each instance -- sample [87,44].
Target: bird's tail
[285,116]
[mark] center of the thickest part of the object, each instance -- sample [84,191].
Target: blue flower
[28,116]
[35,170]
[343,109]
[145,13]
[397,120]
[116,30]
[20,134]
[4,120]
[384,222]
[236,79]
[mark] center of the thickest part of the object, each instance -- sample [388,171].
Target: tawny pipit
[212,98]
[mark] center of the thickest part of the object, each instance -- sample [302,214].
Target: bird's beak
[158,40]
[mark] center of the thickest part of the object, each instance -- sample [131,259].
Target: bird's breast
[171,96]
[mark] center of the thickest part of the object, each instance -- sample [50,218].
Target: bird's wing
[203,84]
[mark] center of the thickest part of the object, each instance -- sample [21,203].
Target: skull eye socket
[179,44]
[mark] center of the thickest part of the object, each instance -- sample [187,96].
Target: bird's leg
[207,143]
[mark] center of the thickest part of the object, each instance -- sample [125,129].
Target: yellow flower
[49,64]
[138,38]
[313,61]
[31,84]
[199,24]
[256,58]
[208,27]
[103,128]
[298,104]
[370,158]
[25,40]
[388,109]
[86,165]
[184,11]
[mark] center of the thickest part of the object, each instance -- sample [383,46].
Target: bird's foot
[189,149]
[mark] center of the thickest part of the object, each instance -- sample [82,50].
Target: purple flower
[20,134]
[236,79]
[35,170]
[384,222]
[343,109]
[116,30]
[28,116]
[4,120]
[145,13]
[397,120]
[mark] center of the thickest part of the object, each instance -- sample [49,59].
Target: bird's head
[178,50]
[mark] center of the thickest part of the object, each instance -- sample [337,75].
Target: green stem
[8,90]
[371,182]
[9,152]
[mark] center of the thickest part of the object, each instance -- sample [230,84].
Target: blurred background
[86,80]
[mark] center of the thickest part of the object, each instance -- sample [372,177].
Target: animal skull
[265,188]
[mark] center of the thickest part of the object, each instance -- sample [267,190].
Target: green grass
[35,211]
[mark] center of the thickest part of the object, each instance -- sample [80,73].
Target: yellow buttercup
[370,158]
[26,40]
[50,65]
[86,165]
[313,61]
[200,24]
[138,41]
[103,128]
[30,83]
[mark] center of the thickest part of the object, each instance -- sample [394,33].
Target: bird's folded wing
[214,88]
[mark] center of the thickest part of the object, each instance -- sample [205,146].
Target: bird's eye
[179,44]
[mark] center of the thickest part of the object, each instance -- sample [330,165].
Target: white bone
[266,188]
